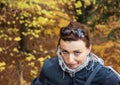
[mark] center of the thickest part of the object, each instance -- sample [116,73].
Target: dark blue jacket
[52,74]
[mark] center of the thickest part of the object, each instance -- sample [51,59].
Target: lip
[72,65]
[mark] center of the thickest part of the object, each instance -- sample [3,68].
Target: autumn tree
[26,26]
[103,16]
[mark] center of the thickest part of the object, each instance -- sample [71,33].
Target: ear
[58,50]
[89,49]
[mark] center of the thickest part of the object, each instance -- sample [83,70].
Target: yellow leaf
[42,20]
[78,4]
[1,49]
[17,39]
[36,36]
[13,22]
[10,39]
[2,64]
[31,64]
[34,51]
[13,61]
[30,57]
[11,54]
[33,72]
[41,59]
[11,66]
[45,51]
[15,50]
[41,64]
[79,11]
[87,2]
[8,22]
[48,56]
[41,48]
[94,1]
[2,68]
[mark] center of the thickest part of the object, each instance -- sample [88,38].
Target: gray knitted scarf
[91,57]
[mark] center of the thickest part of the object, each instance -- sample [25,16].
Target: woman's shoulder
[107,71]
[49,63]
[50,67]
[108,75]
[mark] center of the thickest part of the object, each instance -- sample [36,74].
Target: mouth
[72,66]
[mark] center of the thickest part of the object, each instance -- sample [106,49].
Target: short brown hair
[75,31]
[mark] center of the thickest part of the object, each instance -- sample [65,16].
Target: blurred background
[29,32]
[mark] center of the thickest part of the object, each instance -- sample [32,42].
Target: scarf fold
[91,57]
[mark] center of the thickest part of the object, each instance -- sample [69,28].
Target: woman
[75,64]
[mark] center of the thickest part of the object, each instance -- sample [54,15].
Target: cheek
[81,58]
[65,58]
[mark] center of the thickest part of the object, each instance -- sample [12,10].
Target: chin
[73,67]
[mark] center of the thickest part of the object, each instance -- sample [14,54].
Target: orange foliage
[107,49]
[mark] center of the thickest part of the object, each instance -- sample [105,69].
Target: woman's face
[74,53]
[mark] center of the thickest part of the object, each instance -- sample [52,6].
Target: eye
[77,53]
[64,52]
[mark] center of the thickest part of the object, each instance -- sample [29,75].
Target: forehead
[72,45]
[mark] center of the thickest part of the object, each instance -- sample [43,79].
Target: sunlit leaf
[17,38]
[1,49]
[15,50]
[11,54]
[31,64]
[2,64]
[78,4]
[30,57]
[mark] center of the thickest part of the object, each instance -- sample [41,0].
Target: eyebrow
[73,51]
[76,51]
[64,50]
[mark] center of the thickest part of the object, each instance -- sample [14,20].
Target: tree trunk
[20,71]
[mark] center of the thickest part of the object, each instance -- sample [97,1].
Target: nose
[71,58]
